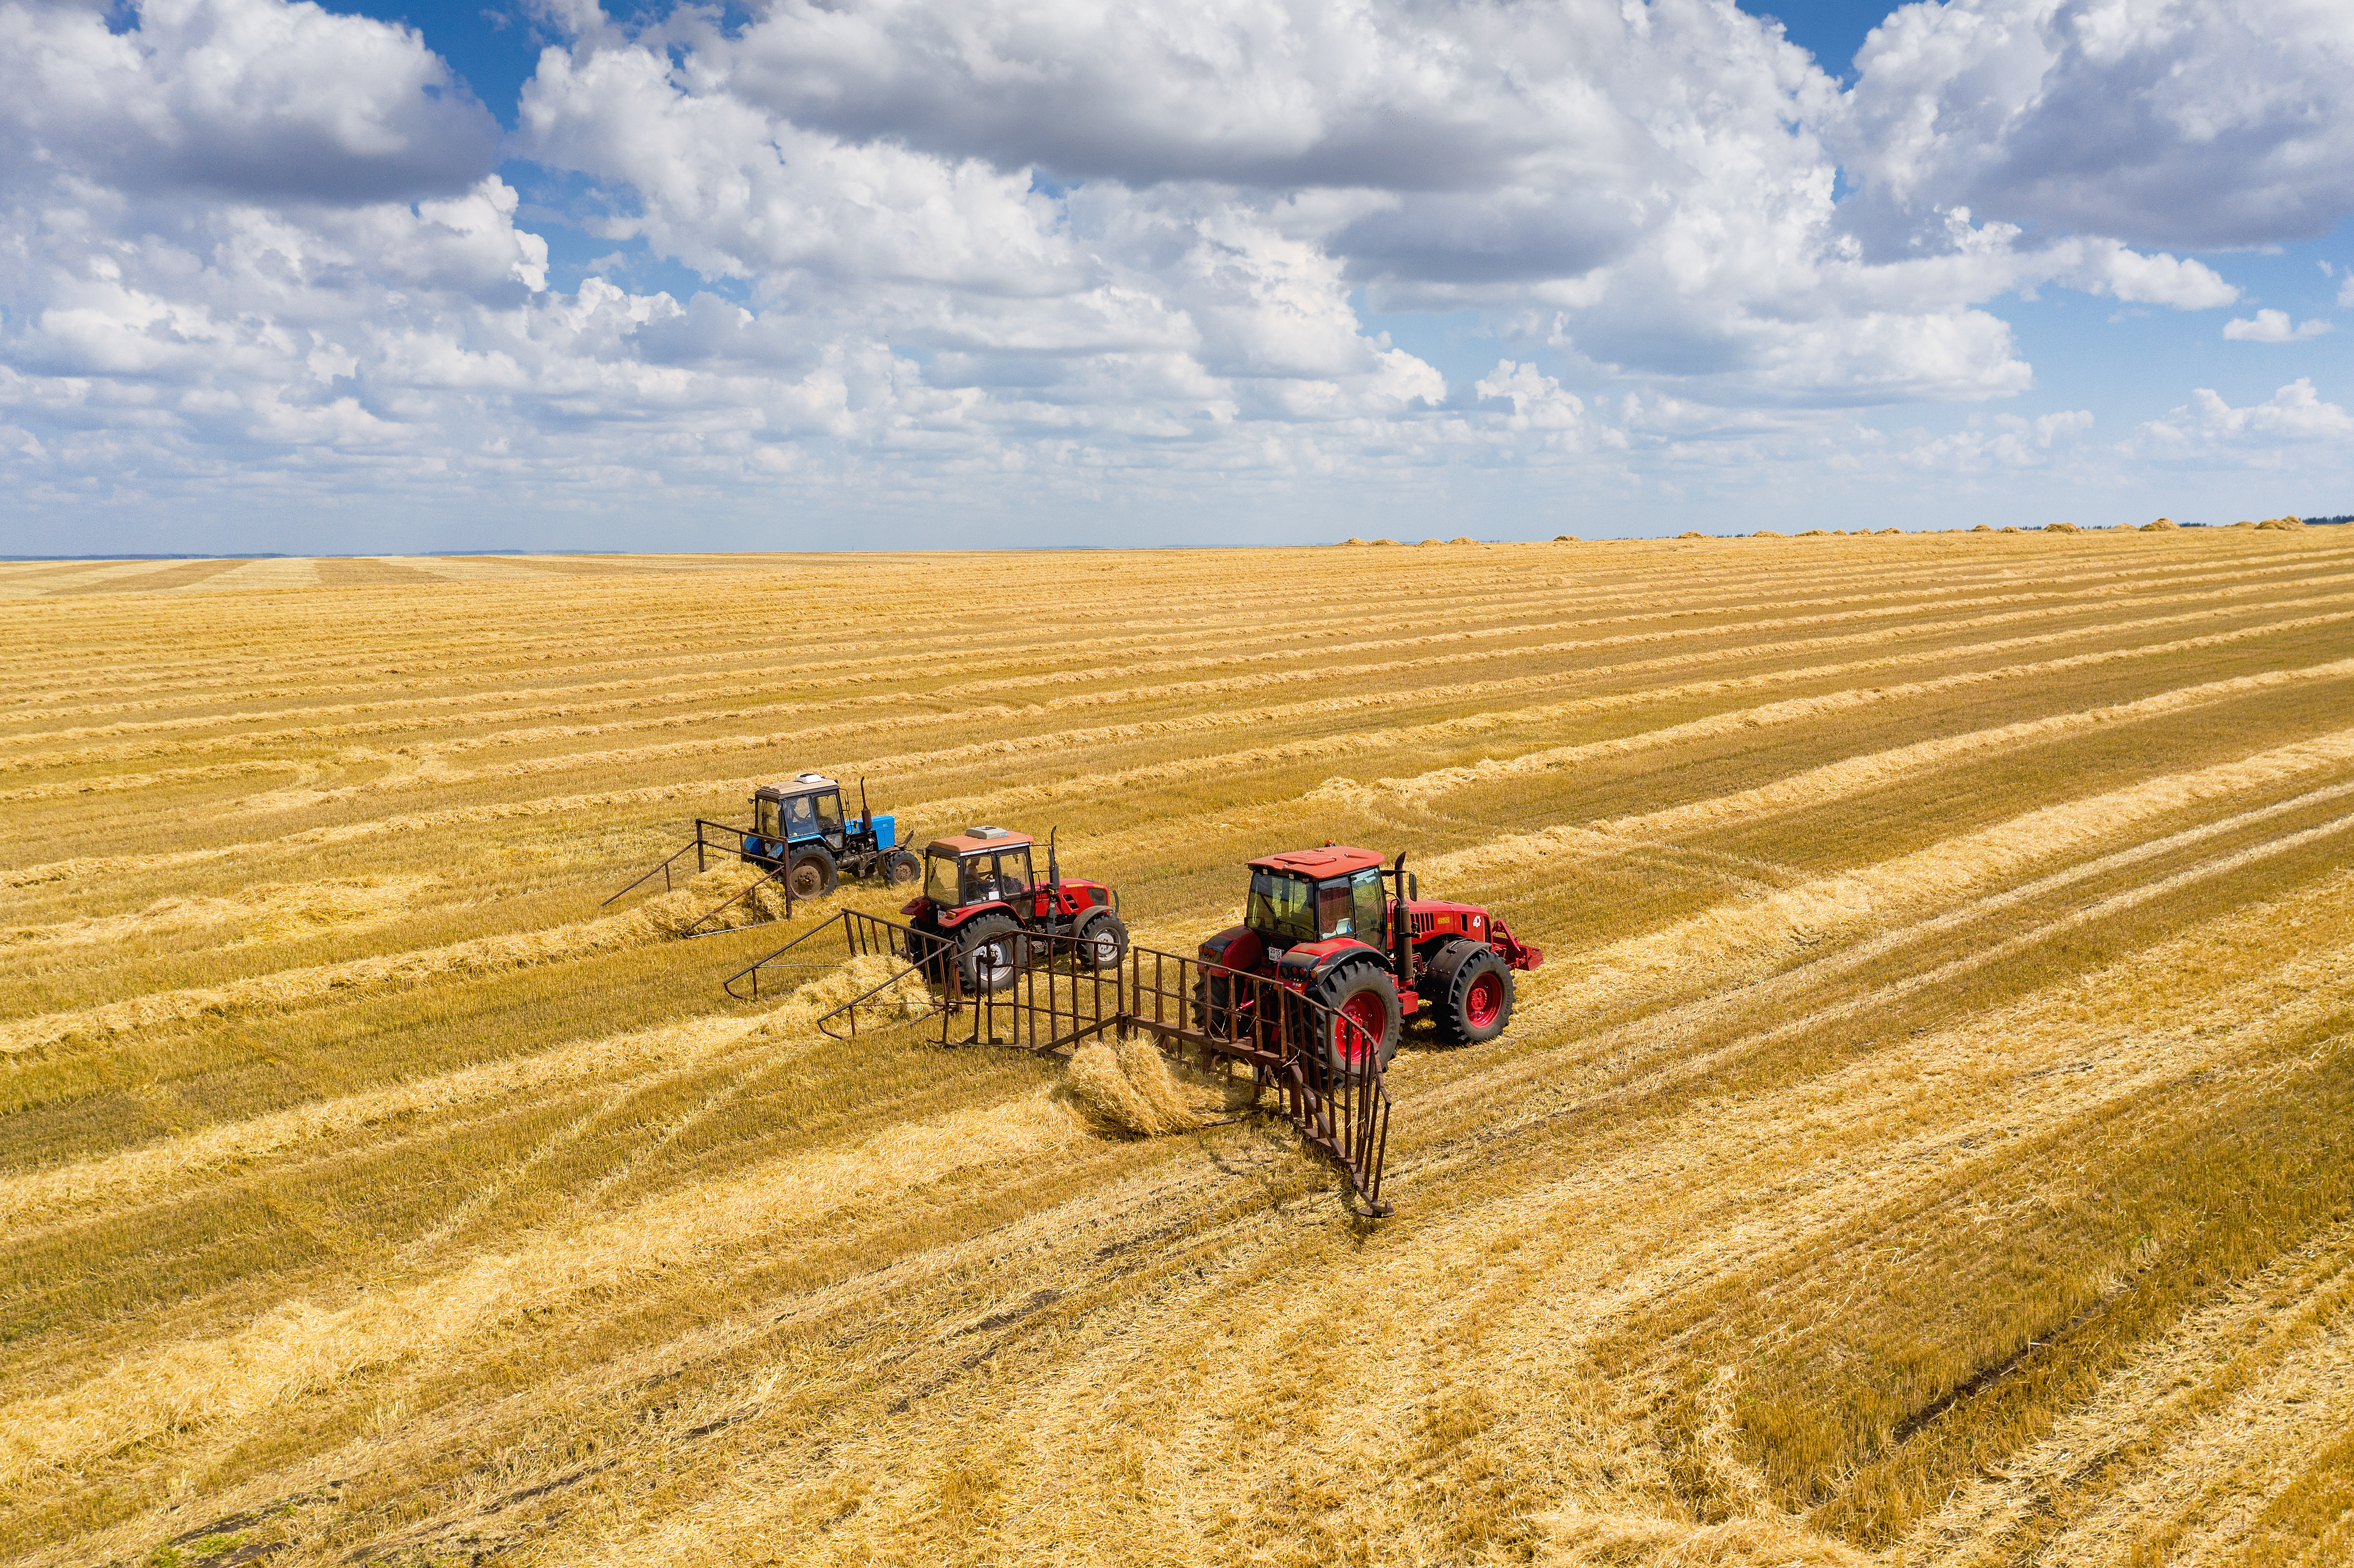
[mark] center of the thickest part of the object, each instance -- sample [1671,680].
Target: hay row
[2281,1343]
[1724,943]
[655,920]
[1424,786]
[764,663]
[869,724]
[300,1348]
[1013,798]
[1022,745]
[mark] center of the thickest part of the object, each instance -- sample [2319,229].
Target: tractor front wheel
[812,876]
[991,949]
[1365,994]
[900,868]
[1473,991]
[1103,941]
[1214,1007]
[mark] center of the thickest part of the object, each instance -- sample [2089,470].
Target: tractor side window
[1280,907]
[1013,873]
[829,815]
[940,873]
[1332,909]
[799,820]
[764,818]
[1365,895]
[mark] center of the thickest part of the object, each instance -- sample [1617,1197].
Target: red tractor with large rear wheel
[1337,926]
[981,899]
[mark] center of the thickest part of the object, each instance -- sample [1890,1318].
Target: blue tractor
[799,826]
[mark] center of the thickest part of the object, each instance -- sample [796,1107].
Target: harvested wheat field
[1926,1141]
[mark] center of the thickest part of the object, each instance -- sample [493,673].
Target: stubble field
[1926,1143]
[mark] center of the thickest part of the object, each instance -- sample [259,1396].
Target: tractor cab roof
[979,841]
[799,784]
[1332,860]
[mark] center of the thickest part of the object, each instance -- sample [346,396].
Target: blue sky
[1033,271]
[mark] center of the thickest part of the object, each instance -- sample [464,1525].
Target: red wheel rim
[1485,1001]
[1365,1010]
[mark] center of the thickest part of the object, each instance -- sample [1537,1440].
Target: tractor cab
[980,865]
[805,809]
[1315,896]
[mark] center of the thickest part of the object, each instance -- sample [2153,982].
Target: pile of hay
[1125,1087]
[2160,526]
[1983,528]
[2006,528]
[1816,533]
[799,1013]
[1691,533]
[1769,533]
[1567,539]
[2285,525]
[1352,539]
[680,908]
[2062,528]
[1462,539]
[1887,530]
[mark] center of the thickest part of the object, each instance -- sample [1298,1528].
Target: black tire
[989,952]
[900,869]
[813,874]
[1102,941]
[1363,989]
[931,953]
[1213,1011]
[1470,991]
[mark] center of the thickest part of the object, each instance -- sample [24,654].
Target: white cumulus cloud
[1044,251]
[2272,326]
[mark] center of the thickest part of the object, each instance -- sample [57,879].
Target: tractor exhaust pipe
[1054,868]
[866,812]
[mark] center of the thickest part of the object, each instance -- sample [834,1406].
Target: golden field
[1926,1141]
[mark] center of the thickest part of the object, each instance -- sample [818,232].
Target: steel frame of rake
[1053,999]
[702,847]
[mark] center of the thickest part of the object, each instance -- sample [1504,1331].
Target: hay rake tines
[1323,1065]
[700,847]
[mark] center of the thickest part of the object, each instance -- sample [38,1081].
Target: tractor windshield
[940,879]
[801,818]
[1282,907]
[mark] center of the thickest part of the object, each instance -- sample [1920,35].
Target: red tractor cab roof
[978,841]
[1332,860]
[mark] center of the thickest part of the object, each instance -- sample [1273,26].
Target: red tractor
[980,901]
[1335,926]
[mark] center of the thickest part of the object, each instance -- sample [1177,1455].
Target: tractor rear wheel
[812,876]
[991,950]
[1103,941]
[1470,990]
[900,868]
[1365,994]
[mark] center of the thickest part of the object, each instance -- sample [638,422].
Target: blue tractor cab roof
[799,784]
